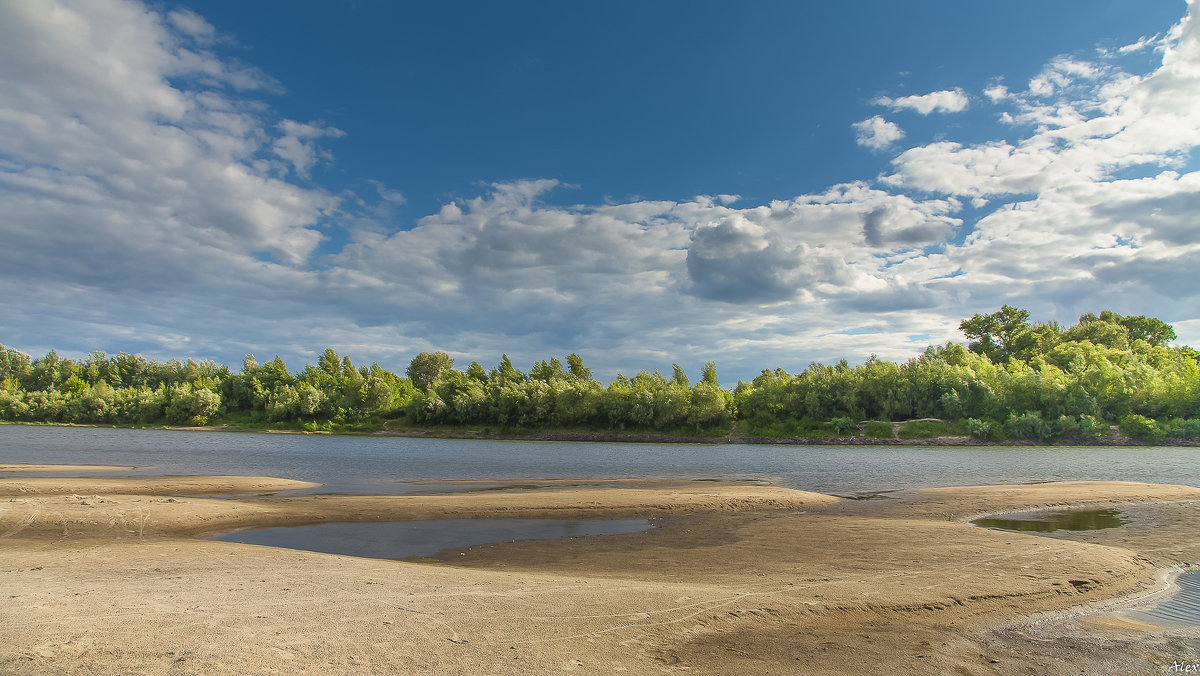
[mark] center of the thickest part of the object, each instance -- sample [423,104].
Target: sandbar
[114,576]
[13,468]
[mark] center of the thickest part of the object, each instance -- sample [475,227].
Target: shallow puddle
[1066,519]
[406,539]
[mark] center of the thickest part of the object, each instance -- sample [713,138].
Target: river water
[397,465]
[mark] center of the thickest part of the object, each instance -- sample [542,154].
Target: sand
[109,576]
[26,467]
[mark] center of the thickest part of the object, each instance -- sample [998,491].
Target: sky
[763,186]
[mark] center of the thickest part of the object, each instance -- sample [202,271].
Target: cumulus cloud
[1088,120]
[944,101]
[297,144]
[150,205]
[996,92]
[733,260]
[91,118]
[876,133]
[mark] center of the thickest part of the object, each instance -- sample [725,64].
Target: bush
[1092,428]
[982,429]
[1178,428]
[1063,426]
[1142,428]
[876,429]
[1028,426]
[843,426]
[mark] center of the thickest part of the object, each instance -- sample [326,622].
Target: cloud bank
[155,203]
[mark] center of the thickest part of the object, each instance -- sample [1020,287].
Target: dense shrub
[1028,426]
[1092,428]
[982,429]
[1141,428]
[843,425]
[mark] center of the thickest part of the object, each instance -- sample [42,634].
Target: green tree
[678,376]
[998,334]
[427,367]
[477,372]
[575,365]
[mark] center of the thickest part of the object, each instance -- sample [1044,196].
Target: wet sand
[108,576]
[19,468]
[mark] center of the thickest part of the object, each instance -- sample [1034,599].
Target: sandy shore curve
[108,575]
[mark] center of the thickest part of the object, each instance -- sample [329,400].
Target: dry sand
[107,576]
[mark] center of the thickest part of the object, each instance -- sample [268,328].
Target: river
[397,465]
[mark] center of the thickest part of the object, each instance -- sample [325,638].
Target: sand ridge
[737,578]
[13,468]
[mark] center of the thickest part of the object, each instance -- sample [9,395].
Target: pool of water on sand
[408,539]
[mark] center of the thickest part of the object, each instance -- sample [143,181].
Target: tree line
[1014,379]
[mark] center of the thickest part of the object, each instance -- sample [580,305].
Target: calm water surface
[403,539]
[1182,609]
[1048,522]
[385,465]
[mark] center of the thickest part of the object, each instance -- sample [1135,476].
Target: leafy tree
[14,364]
[999,334]
[1149,329]
[575,365]
[547,371]
[427,367]
[310,399]
[506,372]
[476,371]
[679,377]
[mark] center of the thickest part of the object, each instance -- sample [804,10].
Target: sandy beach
[113,576]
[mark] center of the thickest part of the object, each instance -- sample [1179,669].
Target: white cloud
[298,146]
[996,92]
[1100,120]
[90,112]
[150,206]
[877,133]
[192,25]
[387,194]
[1142,44]
[944,101]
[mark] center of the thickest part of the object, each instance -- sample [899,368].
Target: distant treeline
[1014,380]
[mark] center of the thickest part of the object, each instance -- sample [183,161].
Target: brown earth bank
[102,576]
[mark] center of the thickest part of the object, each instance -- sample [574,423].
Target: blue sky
[641,183]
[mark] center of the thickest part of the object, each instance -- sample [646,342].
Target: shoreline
[737,577]
[644,437]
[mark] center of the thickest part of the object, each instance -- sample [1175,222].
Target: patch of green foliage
[876,429]
[931,429]
[982,429]
[1141,428]
[1014,380]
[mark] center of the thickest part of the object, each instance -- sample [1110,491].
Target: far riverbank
[635,437]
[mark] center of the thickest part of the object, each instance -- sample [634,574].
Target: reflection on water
[1046,522]
[404,539]
[390,465]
